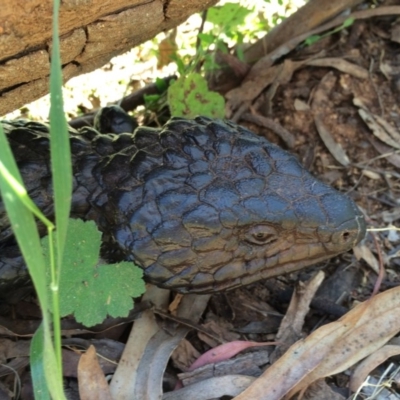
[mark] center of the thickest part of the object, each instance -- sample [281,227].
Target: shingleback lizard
[201,205]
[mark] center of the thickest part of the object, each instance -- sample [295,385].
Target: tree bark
[91,33]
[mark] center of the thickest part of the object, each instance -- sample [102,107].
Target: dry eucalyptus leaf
[167,48]
[321,390]
[391,155]
[219,328]
[386,70]
[144,328]
[184,355]
[334,148]
[381,128]
[321,104]
[292,324]
[370,363]
[92,382]
[330,349]
[156,355]
[390,129]
[11,349]
[228,385]
[225,352]
[371,175]
[362,251]
[300,105]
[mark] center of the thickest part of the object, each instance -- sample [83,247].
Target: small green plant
[63,266]
[227,24]
[189,95]
[45,355]
[226,20]
[154,102]
[88,289]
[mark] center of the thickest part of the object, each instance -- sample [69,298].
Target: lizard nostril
[346,236]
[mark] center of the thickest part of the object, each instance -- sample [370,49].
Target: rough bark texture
[92,32]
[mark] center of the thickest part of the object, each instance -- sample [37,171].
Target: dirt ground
[335,104]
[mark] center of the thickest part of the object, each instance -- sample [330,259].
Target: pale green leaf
[228,16]
[189,96]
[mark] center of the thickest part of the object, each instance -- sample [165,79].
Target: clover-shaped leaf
[89,289]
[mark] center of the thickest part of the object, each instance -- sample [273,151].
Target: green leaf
[40,388]
[26,233]
[228,16]
[113,287]
[220,45]
[52,368]
[240,54]
[179,63]
[60,147]
[311,40]
[161,84]
[348,22]
[91,290]
[189,96]
[45,375]
[207,38]
[314,38]
[22,220]
[151,98]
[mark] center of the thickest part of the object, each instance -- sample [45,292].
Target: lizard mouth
[265,271]
[291,257]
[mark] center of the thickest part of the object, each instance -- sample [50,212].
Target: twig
[201,28]
[381,268]
[268,123]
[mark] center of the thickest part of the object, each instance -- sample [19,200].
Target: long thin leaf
[59,144]
[39,382]
[45,375]
[26,233]
[61,168]
[53,371]
[23,223]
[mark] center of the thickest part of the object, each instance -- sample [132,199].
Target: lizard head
[222,207]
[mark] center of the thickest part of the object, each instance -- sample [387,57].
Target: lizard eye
[261,234]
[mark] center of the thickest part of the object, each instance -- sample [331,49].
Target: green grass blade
[23,223]
[26,233]
[40,389]
[61,168]
[59,144]
[45,375]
